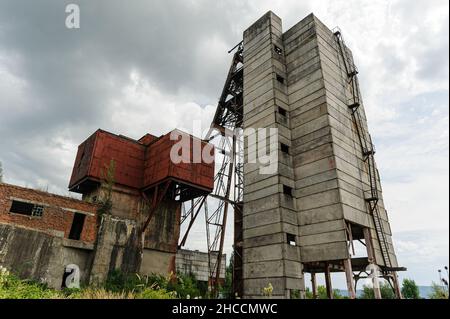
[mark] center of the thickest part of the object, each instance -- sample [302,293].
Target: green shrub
[11,287]
[438,292]
[386,292]
[119,281]
[152,293]
[117,286]
[410,290]
[99,293]
[322,293]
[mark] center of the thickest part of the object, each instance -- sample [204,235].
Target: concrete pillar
[349,277]
[371,259]
[314,285]
[328,283]
[376,287]
[117,247]
[397,289]
[369,246]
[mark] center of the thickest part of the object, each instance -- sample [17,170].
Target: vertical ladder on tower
[367,147]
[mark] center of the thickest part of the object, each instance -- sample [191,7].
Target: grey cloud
[72,75]
[429,47]
[432,66]
[423,252]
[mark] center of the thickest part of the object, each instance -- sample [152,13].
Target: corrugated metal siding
[138,164]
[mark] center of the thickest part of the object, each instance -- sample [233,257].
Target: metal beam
[328,281]
[157,198]
[192,221]
[349,277]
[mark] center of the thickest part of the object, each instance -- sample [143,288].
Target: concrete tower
[325,194]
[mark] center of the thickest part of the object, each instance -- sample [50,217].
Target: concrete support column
[328,281]
[376,287]
[349,277]
[371,259]
[397,289]
[369,246]
[314,285]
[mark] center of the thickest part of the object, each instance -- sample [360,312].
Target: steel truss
[228,181]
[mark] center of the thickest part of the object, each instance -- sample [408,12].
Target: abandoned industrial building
[305,218]
[41,233]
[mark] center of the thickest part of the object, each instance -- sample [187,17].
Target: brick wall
[57,216]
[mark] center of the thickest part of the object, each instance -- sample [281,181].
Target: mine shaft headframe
[229,112]
[229,115]
[228,179]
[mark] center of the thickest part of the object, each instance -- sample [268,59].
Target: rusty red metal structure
[145,166]
[141,164]
[194,176]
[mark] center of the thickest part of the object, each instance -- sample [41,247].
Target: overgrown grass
[11,287]
[179,286]
[117,287]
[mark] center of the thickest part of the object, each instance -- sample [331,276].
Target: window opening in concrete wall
[77,226]
[282,111]
[280,79]
[291,239]
[278,50]
[287,190]
[284,148]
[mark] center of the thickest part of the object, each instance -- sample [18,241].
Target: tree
[386,292]
[322,293]
[108,179]
[227,289]
[438,292]
[410,290]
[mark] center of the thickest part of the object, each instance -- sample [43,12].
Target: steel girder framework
[228,181]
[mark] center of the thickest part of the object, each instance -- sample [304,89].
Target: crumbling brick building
[128,218]
[41,233]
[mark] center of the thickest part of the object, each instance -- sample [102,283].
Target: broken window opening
[27,209]
[280,79]
[284,148]
[291,239]
[282,111]
[278,50]
[38,211]
[287,190]
[77,226]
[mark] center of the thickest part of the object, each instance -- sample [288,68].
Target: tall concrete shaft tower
[325,195]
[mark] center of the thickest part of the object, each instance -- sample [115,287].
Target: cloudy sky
[151,66]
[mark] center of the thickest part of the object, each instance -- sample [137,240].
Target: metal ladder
[367,147]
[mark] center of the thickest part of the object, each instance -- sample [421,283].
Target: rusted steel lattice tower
[228,182]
